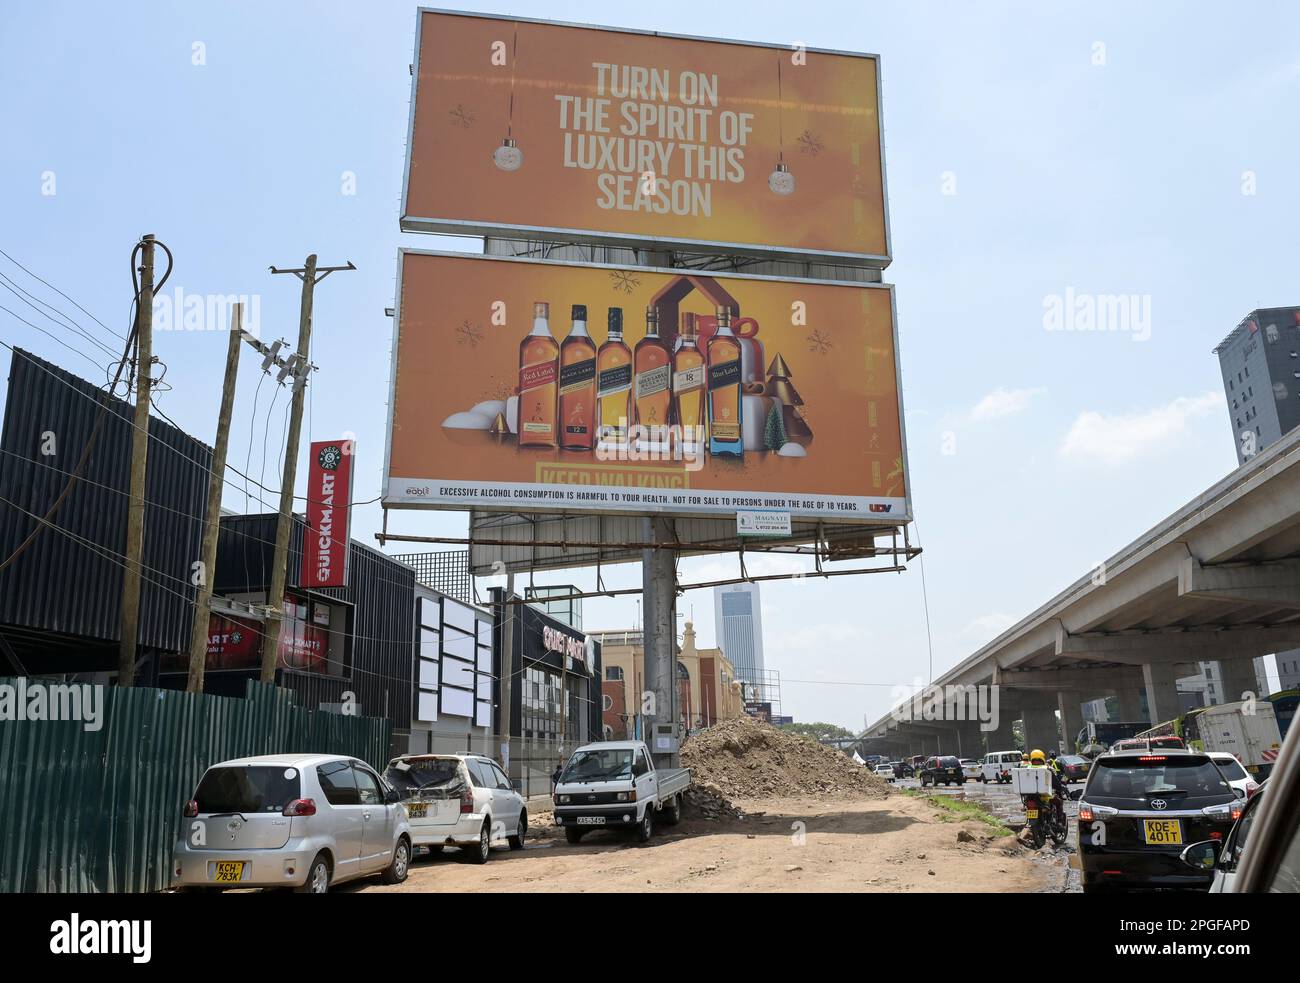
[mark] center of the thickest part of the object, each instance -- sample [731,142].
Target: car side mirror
[1239,792]
[1203,855]
[1076,794]
[392,795]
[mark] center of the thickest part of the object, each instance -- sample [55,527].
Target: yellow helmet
[1037,757]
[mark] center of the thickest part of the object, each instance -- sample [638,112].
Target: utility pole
[310,275]
[212,520]
[508,612]
[139,454]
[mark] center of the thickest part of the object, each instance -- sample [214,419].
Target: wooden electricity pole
[310,275]
[139,453]
[212,520]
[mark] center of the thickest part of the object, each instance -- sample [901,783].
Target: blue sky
[1099,148]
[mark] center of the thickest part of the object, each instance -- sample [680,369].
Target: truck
[1247,730]
[1097,736]
[616,784]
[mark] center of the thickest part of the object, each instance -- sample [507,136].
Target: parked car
[903,769]
[1138,812]
[616,783]
[1272,862]
[1224,856]
[885,771]
[970,768]
[1074,767]
[462,800]
[997,766]
[941,768]
[1238,777]
[305,821]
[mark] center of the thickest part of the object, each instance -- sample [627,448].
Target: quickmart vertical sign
[329,496]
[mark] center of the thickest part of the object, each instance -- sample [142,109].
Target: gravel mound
[748,759]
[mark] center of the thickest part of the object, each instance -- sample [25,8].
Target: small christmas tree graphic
[788,401]
[774,429]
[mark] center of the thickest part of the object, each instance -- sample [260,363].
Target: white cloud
[1113,440]
[1003,402]
[990,626]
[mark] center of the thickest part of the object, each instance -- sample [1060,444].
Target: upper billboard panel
[534,386]
[534,129]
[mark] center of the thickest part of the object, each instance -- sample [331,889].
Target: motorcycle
[1046,818]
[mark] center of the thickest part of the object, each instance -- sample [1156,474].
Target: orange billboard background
[626,136]
[822,358]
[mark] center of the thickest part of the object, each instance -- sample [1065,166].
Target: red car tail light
[1153,757]
[191,809]
[300,807]
[466,802]
[1085,812]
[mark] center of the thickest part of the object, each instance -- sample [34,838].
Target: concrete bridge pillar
[1039,723]
[1068,703]
[1238,677]
[1130,705]
[1162,691]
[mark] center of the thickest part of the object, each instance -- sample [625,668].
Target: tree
[819,731]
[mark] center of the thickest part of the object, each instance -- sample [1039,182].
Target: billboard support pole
[659,585]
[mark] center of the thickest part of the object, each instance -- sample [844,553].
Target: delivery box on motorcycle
[1032,781]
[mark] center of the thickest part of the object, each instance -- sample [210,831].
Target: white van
[997,766]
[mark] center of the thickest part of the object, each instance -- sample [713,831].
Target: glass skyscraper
[738,626]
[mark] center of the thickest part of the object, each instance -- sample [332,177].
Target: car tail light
[1229,812]
[300,807]
[466,802]
[1216,835]
[1251,789]
[1153,757]
[191,809]
[1085,812]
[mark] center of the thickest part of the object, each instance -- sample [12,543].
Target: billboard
[533,386]
[329,510]
[536,129]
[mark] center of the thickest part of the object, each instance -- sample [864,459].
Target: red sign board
[329,491]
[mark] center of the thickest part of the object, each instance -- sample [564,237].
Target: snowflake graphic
[810,143]
[819,342]
[470,334]
[461,116]
[624,281]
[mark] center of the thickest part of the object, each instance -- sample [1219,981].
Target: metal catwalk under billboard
[535,386]
[578,133]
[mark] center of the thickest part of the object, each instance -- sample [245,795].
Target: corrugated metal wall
[382,626]
[100,811]
[71,581]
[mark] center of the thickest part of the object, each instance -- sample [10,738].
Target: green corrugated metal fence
[100,810]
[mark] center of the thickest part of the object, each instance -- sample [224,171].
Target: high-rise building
[738,627]
[1260,362]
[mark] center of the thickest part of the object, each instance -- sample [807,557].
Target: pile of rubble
[747,759]
[705,802]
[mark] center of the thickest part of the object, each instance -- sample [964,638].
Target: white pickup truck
[615,783]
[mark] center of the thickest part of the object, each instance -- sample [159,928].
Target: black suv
[1140,809]
[941,768]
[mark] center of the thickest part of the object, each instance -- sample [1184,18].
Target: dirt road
[896,844]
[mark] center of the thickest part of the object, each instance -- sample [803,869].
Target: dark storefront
[342,648]
[60,598]
[556,693]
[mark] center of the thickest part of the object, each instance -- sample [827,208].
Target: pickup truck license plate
[1163,832]
[228,871]
[591,820]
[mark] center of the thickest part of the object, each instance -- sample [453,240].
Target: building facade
[738,628]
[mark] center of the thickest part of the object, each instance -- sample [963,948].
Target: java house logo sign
[329,493]
[558,641]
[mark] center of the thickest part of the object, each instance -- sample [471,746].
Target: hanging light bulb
[508,156]
[781,181]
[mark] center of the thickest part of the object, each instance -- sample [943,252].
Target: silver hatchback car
[305,821]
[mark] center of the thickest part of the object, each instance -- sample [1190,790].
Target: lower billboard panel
[534,386]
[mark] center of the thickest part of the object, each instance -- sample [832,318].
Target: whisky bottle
[614,383]
[539,358]
[653,398]
[578,386]
[725,433]
[688,382]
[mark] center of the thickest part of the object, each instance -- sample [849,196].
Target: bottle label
[723,374]
[656,381]
[615,380]
[577,375]
[536,375]
[688,380]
